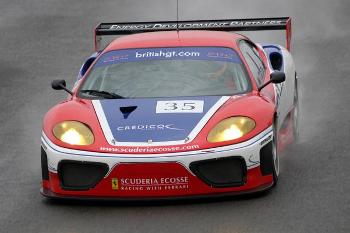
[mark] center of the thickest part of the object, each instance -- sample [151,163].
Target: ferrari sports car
[177,109]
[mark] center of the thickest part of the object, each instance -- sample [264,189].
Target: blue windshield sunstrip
[178,53]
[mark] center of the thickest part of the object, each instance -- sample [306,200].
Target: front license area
[150,179]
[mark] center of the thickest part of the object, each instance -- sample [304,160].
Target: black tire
[275,157]
[296,113]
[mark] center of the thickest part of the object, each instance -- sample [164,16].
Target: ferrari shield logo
[115,185]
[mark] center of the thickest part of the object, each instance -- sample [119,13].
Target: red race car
[173,110]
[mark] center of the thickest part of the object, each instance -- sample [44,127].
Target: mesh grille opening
[222,172]
[77,175]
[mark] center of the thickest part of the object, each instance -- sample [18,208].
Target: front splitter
[51,195]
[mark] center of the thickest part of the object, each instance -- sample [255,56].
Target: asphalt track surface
[42,40]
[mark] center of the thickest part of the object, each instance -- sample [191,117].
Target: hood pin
[149,141]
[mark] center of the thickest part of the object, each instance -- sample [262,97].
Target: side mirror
[278,77]
[60,84]
[275,77]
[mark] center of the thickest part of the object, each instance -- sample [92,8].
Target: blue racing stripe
[141,121]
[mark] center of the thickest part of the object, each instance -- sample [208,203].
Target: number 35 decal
[180,106]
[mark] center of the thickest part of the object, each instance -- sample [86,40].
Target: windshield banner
[179,53]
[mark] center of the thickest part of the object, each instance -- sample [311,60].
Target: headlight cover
[230,129]
[74,133]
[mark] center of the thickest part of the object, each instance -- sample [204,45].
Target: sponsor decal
[122,27]
[152,183]
[253,160]
[266,140]
[115,185]
[180,106]
[148,149]
[177,53]
[116,58]
[168,54]
[194,25]
[221,55]
[148,127]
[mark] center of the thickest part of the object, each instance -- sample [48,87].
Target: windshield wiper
[104,94]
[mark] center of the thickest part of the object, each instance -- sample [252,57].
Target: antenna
[177,15]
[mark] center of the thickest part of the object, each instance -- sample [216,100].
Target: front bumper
[156,176]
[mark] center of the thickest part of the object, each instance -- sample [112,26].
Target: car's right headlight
[231,128]
[74,133]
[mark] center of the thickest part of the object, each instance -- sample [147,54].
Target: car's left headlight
[74,133]
[231,128]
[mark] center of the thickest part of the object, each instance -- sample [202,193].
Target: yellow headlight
[74,133]
[230,129]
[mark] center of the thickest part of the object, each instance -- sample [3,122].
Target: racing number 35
[180,106]
[171,106]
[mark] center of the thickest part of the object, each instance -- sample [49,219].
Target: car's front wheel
[275,157]
[296,113]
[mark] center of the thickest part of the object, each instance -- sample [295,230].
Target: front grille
[77,175]
[222,172]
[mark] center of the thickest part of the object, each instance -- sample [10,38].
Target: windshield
[168,72]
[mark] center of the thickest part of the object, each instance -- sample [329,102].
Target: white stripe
[103,121]
[112,141]
[46,141]
[249,150]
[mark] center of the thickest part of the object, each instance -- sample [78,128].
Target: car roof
[176,39]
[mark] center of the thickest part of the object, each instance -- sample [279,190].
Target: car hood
[155,119]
